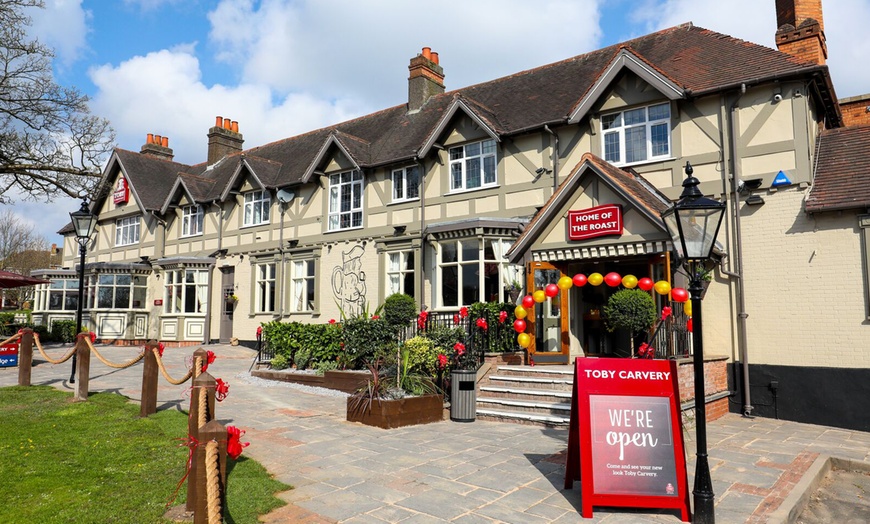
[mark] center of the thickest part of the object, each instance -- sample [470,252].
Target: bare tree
[50,144]
[22,250]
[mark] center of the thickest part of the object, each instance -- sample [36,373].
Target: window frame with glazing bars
[461,166]
[613,125]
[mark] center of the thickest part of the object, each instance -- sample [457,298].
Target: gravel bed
[247,378]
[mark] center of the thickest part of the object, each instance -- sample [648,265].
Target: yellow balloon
[523,339]
[629,281]
[539,296]
[565,283]
[687,307]
[662,287]
[595,279]
[520,312]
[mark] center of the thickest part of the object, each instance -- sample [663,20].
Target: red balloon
[528,302]
[579,280]
[679,294]
[612,279]
[689,326]
[645,283]
[551,290]
[519,325]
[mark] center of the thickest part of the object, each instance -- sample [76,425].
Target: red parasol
[8,280]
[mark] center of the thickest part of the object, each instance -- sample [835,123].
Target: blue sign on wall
[781,179]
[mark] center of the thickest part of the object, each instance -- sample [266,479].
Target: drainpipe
[283,208]
[422,168]
[742,342]
[211,267]
[555,158]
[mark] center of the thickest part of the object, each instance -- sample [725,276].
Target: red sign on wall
[158,301]
[594,222]
[625,438]
[122,191]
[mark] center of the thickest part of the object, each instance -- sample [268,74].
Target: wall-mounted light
[755,200]
[399,230]
[293,242]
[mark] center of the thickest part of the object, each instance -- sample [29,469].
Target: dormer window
[127,231]
[345,200]
[472,166]
[637,135]
[191,221]
[257,205]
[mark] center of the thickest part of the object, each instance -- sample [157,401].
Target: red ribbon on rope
[221,390]
[190,443]
[666,312]
[209,358]
[234,442]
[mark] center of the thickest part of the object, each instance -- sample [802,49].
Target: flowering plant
[459,357]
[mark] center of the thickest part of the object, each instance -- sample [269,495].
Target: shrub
[43,333]
[367,339]
[7,317]
[324,366]
[422,357]
[64,331]
[399,310]
[499,336]
[280,362]
[303,345]
[633,310]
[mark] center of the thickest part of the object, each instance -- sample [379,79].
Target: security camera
[540,171]
[777,98]
[741,185]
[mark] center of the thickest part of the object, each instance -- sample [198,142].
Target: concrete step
[525,406]
[523,418]
[525,394]
[554,382]
[566,372]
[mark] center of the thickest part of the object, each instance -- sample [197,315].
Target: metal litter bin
[463,395]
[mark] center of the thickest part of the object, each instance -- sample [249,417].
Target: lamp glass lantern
[83,222]
[693,221]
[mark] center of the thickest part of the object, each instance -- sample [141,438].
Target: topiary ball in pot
[633,310]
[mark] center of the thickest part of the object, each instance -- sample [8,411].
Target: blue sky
[283,67]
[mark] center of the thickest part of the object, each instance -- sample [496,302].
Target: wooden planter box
[347,381]
[388,414]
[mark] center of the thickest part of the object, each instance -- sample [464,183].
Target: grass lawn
[97,461]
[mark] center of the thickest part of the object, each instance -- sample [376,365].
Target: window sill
[407,200]
[191,236]
[345,229]
[643,162]
[126,245]
[464,191]
[247,226]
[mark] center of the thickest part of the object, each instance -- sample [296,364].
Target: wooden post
[83,354]
[204,384]
[148,405]
[212,431]
[25,357]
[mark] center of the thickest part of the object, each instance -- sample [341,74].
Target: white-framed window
[257,204]
[637,135]
[186,291]
[265,287]
[406,183]
[345,200]
[302,285]
[474,270]
[400,272]
[116,291]
[63,295]
[191,221]
[127,231]
[473,165]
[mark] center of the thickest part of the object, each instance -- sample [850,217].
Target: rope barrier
[203,408]
[16,336]
[213,483]
[166,373]
[49,359]
[110,364]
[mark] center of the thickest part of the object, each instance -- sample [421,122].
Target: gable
[629,90]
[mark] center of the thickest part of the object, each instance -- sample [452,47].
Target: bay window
[186,291]
[345,200]
[474,270]
[116,291]
[637,135]
[472,165]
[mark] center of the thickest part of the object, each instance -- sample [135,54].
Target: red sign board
[594,222]
[121,194]
[625,437]
[9,355]
[158,302]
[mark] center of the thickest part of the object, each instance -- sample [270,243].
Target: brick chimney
[223,139]
[801,30]
[426,79]
[157,146]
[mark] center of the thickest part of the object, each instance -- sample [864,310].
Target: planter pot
[388,414]
[463,395]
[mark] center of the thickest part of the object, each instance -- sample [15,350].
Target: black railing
[671,337]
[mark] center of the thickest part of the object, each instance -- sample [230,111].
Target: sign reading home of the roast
[594,222]
[632,445]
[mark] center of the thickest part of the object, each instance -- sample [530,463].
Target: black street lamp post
[84,223]
[693,224]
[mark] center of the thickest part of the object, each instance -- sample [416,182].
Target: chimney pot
[235,126]
[228,123]
[427,53]
[435,57]
[219,122]
[149,139]
[165,142]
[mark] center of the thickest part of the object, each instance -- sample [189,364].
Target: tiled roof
[698,60]
[842,179]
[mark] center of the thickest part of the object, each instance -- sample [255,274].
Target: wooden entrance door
[549,319]
[228,276]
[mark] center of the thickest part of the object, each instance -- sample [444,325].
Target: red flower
[221,390]
[421,320]
[666,312]
[502,317]
[456,319]
[463,312]
[375,317]
[689,325]
[459,348]
[442,361]
[332,321]
[234,442]
[481,323]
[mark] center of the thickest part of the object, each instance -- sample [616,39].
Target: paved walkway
[482,472]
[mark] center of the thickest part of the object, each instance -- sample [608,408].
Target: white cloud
[62,25]
[755,21]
